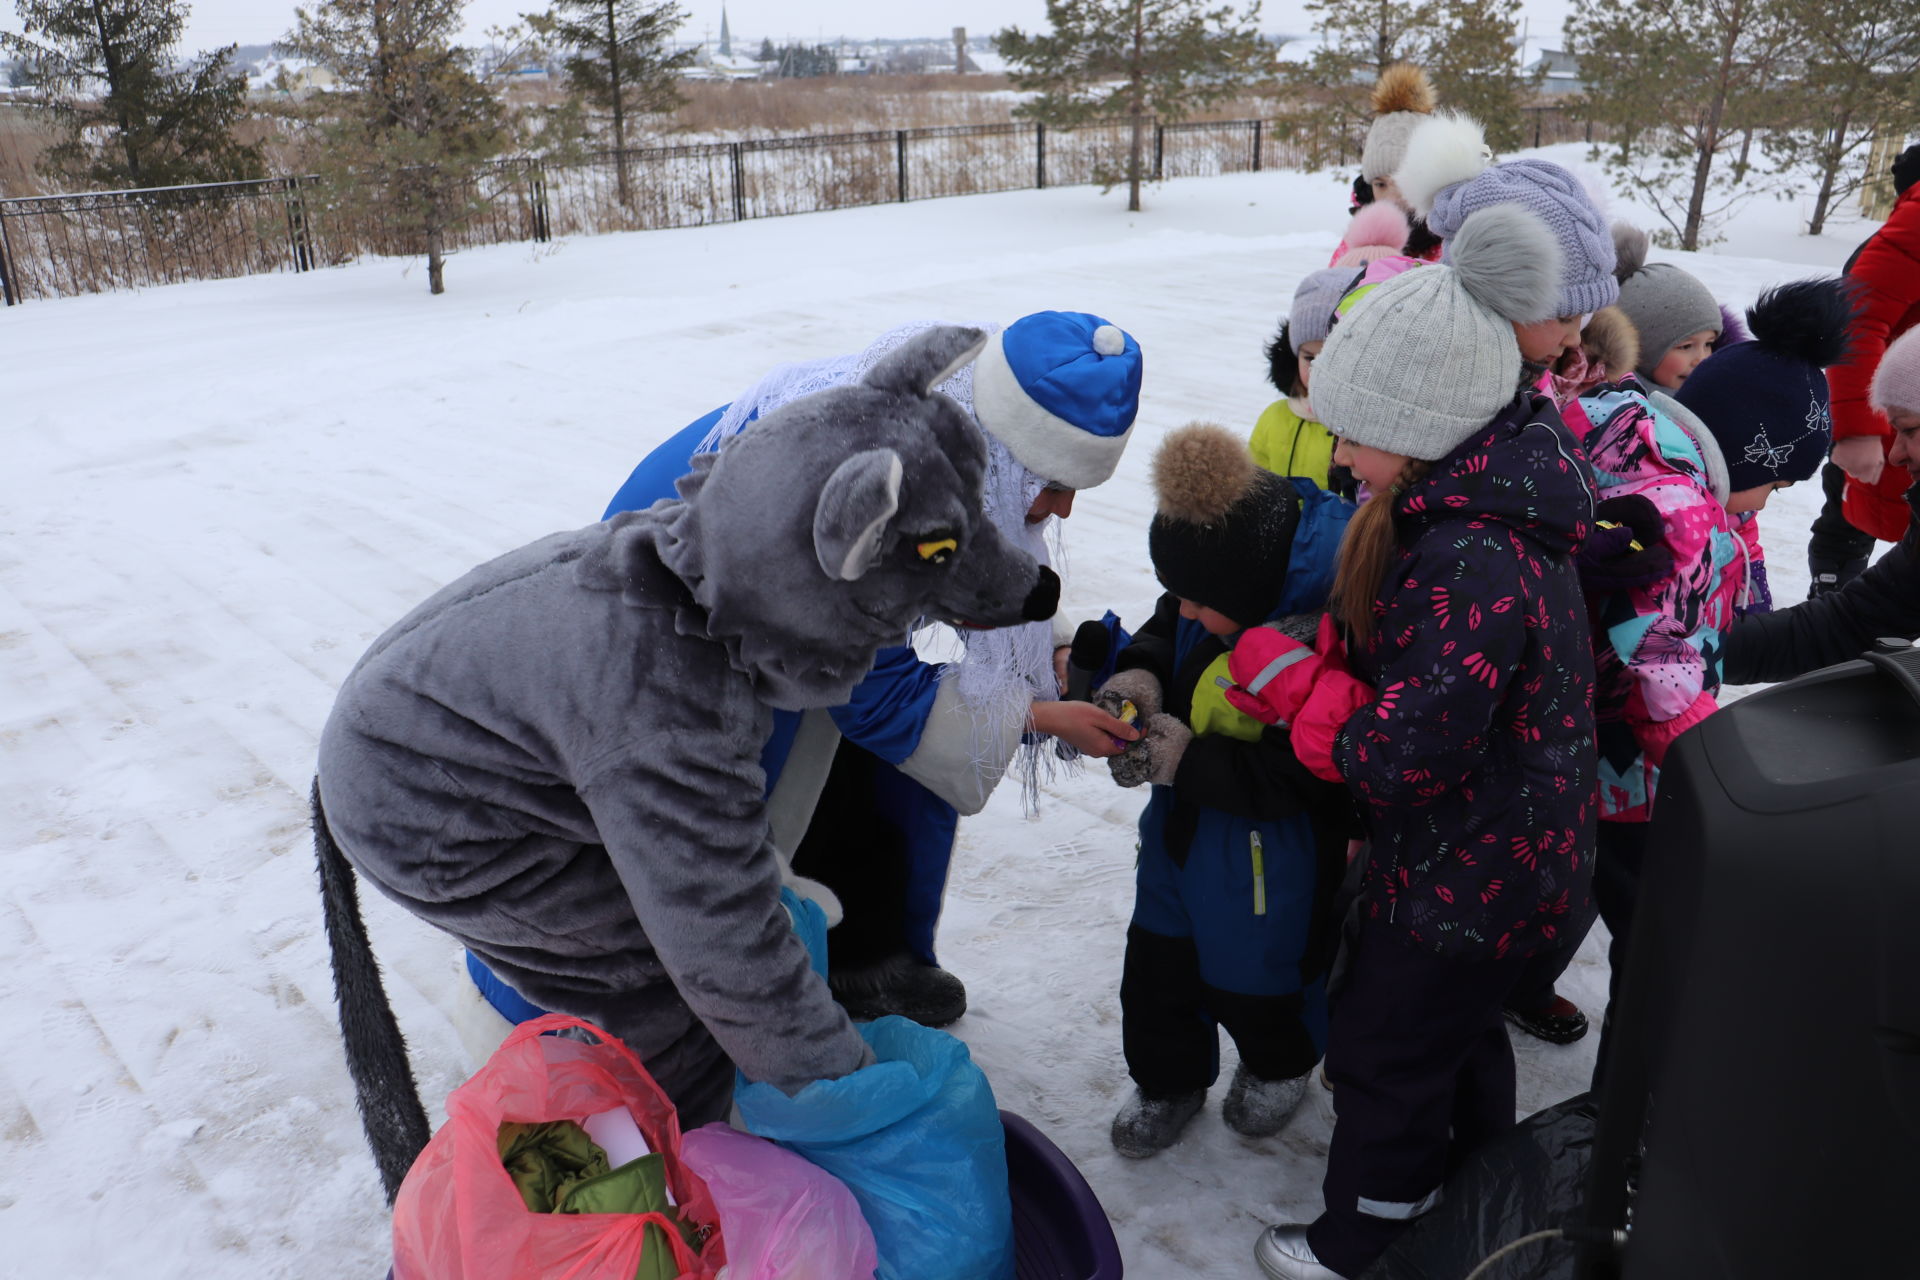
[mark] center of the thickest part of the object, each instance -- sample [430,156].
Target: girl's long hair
[1365,551]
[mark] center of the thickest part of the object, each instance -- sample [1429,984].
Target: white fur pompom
[1446,149]
[1508,260]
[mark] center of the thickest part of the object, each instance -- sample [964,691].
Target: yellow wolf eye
[936,552]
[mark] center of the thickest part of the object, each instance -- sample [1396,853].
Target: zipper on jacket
[1259,874]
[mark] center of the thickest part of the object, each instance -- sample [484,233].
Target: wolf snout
[1044,598]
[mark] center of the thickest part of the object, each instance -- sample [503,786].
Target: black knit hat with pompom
[1223,533]
[1766,400]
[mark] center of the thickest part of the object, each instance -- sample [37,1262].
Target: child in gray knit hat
[1677,319]
[1288,440]
[1402,98]
[1457,586]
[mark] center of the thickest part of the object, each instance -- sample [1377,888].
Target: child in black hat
[1240,846]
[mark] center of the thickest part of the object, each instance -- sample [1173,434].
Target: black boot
[901,985]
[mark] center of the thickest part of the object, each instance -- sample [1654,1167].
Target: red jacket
[1887,269]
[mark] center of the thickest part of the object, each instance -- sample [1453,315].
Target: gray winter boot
[1259,1108]
[901,985]
[1147,1126]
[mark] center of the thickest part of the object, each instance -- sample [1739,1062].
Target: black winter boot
[901,985]
[1147,1126]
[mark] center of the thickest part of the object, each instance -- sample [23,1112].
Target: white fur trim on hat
[1048,445]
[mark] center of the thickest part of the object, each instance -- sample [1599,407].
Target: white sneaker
[1284,1254]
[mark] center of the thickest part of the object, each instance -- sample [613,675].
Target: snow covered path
[217,494]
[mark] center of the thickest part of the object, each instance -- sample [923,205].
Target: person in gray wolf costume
[556,758]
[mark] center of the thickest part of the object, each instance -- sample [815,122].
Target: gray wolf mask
[804,593]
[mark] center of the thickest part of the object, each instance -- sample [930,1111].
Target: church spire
[726,36]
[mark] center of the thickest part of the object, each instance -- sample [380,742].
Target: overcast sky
[218,22]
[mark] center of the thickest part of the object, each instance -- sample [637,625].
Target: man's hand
[1862,457]
[1084,727]
[1060,653]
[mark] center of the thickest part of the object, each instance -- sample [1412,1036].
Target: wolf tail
[383,1083]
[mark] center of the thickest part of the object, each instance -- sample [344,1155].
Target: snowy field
[217,494]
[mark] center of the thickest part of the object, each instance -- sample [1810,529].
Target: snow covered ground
[217,494]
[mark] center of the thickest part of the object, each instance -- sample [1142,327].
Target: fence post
[1256,146]
[8,289]
[1537,113]
[542,211]
[297,228]
[739,184]
[1040,154]
[1159,152]
[1589,130]
[900,146]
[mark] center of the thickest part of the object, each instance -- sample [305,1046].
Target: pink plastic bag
[459,1216]
[785,1218]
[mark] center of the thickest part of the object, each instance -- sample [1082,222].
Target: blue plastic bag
[917,1139]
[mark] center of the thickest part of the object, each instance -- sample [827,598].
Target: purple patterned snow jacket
[1477,759]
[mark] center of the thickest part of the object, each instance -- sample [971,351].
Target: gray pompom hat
[1422,361]
[1665,303]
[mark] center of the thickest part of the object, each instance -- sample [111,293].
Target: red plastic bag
[459,1216]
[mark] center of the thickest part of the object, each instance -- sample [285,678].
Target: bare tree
[1855,74]
[1679,81]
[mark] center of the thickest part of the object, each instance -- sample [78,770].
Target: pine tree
[1378,33]
[1476,66]
[1856,74]
[620,62]
[1679,83]
[1328,107]
[766,53]
[1135,60]
[410,133]
[127,115]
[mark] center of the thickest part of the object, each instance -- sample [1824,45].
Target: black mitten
[1628,546]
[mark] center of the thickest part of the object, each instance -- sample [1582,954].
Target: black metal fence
[51,246]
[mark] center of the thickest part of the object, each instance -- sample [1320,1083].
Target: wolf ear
[851,516]
[927,359]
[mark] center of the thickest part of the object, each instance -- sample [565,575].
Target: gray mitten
[1138,686]
[1155,756]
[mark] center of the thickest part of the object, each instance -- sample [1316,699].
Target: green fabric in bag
[559,1169]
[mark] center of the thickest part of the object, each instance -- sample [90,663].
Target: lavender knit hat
[1313,302]
[1896,383]
[1449,174]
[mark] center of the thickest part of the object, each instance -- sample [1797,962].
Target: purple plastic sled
[1060,1232]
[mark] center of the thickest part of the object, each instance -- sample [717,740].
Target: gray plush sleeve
[686,830]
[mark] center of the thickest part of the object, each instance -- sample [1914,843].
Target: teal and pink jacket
[1657,648]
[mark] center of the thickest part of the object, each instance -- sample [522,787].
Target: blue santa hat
[1060,389]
